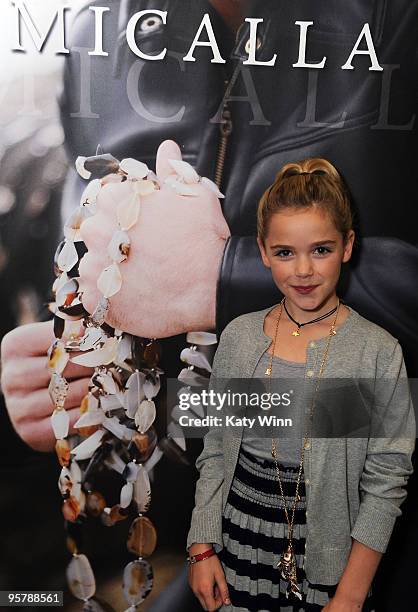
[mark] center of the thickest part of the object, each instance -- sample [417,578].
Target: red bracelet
[200,556]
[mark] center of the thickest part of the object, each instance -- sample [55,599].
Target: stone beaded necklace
[115,427]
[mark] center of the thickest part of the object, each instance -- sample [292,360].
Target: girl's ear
[264,257]
[348,248]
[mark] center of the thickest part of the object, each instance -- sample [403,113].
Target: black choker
[296,332]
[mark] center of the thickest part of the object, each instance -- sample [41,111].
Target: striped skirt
[254,535]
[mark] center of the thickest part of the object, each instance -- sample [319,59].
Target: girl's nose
[303,266]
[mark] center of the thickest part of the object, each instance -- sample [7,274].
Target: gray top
[354,486]
[288,449]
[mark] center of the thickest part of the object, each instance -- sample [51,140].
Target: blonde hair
[302,184]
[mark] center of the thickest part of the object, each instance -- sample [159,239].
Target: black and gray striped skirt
[254,535]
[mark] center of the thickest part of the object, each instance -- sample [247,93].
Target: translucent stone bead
[86,448]
[133,168]
[89,402]
[99,315]
[190,377]
[57,357]
[211,186]
[92,417]
[118,247]
[152,354]
[145,415]
[86,432]
[137,581]
[142,537]
[80,578]
[90,193]
[143,445]
[144,188]
[142,490]
[91,339]
[130,472]
[193,357]
[73,224]
[98,357]
[94,606]
[117,513]
[180,187]
[176,432]
[134,393]
[152,385]
[105,382]
[60,422]
[126,495]
[95,503]
[127,212]
[71,509]
[62,448]
[185,171]
[110,281]
[67,293]
[58,389]
[68,256]
[65,483]
[120,431]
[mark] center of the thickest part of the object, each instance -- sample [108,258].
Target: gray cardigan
[354,486]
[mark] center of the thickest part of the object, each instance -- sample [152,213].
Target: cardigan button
[310,373]
[312,344]
[307,481]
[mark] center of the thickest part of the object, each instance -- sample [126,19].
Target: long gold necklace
[287,563]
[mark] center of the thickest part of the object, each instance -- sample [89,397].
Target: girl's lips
[305,289]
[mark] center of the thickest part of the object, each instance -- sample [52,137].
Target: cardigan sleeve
[206,520]
[388,463]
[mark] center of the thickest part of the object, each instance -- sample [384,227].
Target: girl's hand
[341,604]
[170,277]
[207,581]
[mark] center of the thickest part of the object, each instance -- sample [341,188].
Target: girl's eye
[284,253]
[325,250]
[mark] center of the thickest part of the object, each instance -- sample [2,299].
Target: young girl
[302,523]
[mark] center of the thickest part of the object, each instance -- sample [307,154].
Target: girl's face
[304,248]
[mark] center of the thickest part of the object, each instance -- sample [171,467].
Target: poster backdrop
[242,88]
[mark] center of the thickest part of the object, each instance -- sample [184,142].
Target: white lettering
[98,19]
[252,61]
[301,63]
[206,23]
[369,51]
[22,14]
[130,34]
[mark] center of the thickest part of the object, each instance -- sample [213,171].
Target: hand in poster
[25,379]
[169,279]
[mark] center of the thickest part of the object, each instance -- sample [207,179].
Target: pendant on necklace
[296,333]
[268,371]
[287,569]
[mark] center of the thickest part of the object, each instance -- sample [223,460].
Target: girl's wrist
[198,547]
[351,600]
[201,556]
